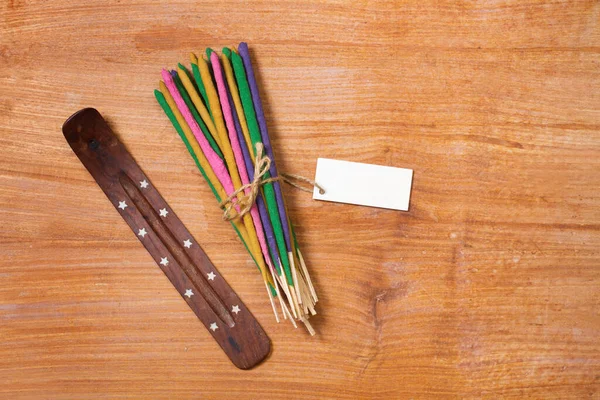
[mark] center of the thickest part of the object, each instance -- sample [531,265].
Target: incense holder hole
[93,144]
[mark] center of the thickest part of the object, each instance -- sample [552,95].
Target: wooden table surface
[489,287]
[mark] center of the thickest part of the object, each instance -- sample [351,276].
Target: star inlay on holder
[165,237]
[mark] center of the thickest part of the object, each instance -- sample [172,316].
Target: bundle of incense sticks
[217,112]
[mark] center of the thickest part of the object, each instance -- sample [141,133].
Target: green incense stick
[246,97]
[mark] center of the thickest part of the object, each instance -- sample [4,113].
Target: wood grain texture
[489,287]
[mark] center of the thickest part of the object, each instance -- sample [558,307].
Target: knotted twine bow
[262,164]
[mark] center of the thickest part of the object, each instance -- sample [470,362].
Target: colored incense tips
[216,110]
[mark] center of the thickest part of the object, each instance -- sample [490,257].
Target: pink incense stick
[214,160]
[237,151]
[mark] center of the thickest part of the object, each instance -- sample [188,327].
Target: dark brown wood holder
[167,240]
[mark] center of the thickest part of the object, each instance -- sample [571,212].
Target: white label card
[363,184]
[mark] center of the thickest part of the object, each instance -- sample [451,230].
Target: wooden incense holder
[167,240]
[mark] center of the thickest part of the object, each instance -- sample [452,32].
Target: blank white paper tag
[363,184]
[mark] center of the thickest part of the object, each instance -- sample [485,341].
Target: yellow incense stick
[235,95]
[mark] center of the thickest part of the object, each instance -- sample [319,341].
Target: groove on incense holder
[176,249]
[166,239]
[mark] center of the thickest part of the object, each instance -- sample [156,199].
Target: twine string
[289,179]
[262,164]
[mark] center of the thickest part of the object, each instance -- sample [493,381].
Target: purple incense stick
[260,116]
[262,209]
